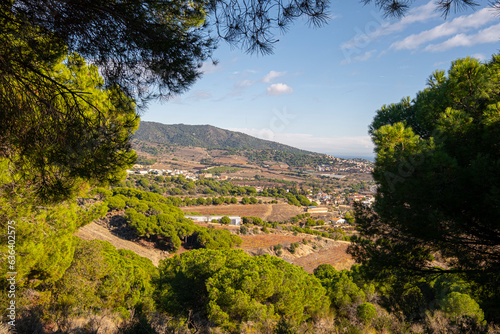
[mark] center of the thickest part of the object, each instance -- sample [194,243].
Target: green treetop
[234,289]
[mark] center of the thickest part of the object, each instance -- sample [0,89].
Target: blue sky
[321,87]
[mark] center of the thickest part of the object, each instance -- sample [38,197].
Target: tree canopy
[56,137]
[233,289]
[437,166]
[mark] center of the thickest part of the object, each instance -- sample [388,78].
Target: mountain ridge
[208,136]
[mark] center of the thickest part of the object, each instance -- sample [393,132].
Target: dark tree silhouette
[437,170]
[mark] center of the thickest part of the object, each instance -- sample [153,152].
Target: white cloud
[361,146]
[488,35]
[377,28]
[243,73]
[420,14]
[269,77]
[456,26]
[279,89]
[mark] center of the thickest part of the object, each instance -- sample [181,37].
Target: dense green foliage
[180,185]
[233,290]
[434,305]
[58,276]
[341,289]
[155,217]
[43,234]
[366,312]
[437,169]
[99,277]
[89,142]
[289,158]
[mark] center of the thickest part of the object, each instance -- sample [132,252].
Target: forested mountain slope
[206,136]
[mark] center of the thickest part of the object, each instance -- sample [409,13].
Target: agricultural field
[268,212]
[231,160]
[260,242]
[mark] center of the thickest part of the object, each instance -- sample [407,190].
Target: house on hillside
[339,222]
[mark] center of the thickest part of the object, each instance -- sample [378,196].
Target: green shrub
[225,220]
[457,304]
[293,247]
[243,229]
[116,203]
[366,312]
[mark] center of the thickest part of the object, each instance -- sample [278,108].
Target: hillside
[207,136]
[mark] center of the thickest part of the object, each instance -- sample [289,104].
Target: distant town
[329,205]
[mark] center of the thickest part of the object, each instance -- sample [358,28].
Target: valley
[274,193]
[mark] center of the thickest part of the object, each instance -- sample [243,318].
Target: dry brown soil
[268,212]
[308,256]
